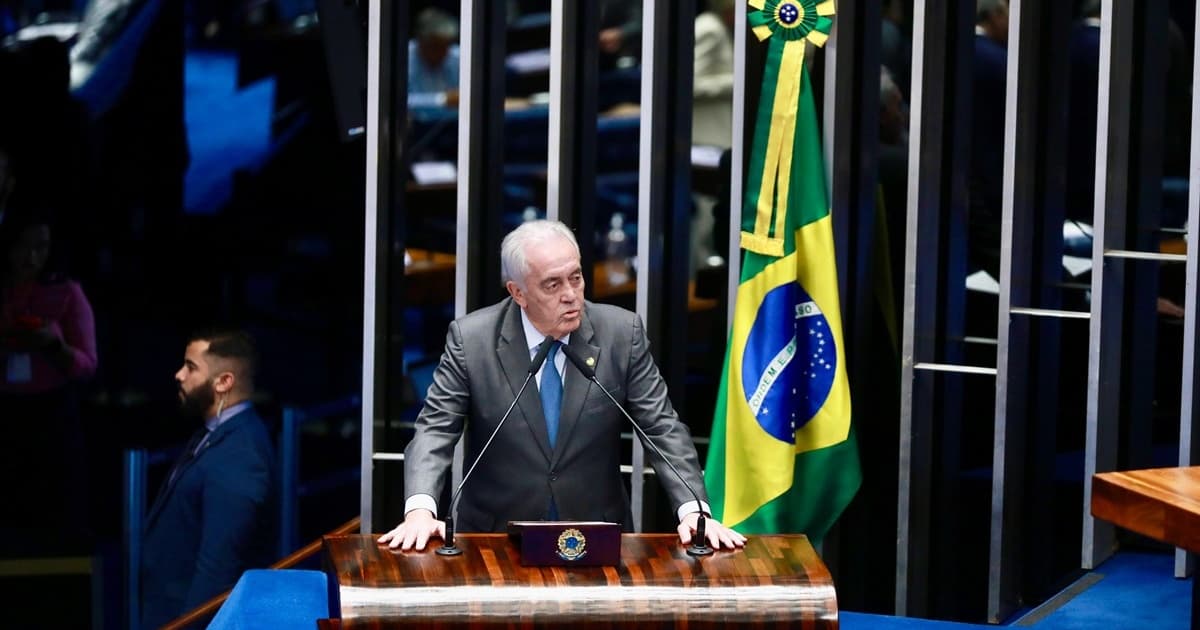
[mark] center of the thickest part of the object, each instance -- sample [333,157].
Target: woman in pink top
[47,348]
[47,334]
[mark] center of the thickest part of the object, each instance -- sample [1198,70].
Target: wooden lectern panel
[774,582]
[1162,503]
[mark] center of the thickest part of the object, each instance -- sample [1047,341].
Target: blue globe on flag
[789,362]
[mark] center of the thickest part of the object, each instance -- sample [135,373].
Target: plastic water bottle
[616,251]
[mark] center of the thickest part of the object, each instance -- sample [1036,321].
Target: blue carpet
[1136,591]
[227,129]
[1130,591]
[863,621]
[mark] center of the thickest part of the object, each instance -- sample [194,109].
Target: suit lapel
[575,386]
[513,351]
[213,438]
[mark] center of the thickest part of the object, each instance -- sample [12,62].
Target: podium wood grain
[1162,503]
[774,582]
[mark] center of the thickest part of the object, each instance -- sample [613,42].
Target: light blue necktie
[552,393]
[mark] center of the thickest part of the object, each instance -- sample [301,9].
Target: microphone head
[580,364]
[540,357]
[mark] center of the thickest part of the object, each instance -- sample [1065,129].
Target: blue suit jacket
[214,521]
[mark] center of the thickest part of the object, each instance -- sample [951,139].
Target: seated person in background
[712,86]
[215,514]
[433,60]
[620,32]
[559,454]
[47,349]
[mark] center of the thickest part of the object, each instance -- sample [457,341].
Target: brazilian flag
[783,457]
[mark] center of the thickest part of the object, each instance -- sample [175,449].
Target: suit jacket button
[553,477]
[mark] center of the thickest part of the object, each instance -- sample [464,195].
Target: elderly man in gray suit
[558,456]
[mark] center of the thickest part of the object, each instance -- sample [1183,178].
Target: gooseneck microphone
[449,548]
[699,546]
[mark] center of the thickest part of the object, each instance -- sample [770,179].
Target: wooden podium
[774,582]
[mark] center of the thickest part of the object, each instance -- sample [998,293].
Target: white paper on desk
[983,282]
[427,173]
[529,61]
[1076,265]
[1076,229]
[705,155]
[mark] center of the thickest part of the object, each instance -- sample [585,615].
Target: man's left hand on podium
[719,536]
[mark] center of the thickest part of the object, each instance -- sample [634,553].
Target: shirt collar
[533,337]
[212,423]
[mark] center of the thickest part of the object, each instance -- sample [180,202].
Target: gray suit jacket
[485,361]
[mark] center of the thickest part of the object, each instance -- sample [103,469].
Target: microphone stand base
[453,550]
[699,550]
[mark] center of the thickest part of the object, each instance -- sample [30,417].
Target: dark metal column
[1113,120]
[851,130]
[664,189]
[664,198]
[1034,152]
[383,273]
[480,155]
[1143,221]
[574,66]
[931,407]
[1189,405]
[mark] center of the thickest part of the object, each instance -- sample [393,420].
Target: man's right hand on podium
[416,530]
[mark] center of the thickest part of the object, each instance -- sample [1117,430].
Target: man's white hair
[514,265]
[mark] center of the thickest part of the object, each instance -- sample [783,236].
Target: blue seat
[265,598]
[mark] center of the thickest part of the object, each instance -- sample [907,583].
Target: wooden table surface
[774,582]
[1162,503]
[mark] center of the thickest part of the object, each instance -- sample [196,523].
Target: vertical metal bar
[480,155]
[650,67]
[571,172]
[1022,159]
[1143,216]
[1189,406]
[736,165]
[1040,538]
[387,56]
[851,145]
[289,466]
[664,187]
[467,98]
[562,43]
[134,473]
[479,221]
[850,129]
[1104,353]
[931,136]
[371,284]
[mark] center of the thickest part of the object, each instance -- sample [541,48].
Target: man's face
[197,391]
[553,289]
[434,49]
[998,23]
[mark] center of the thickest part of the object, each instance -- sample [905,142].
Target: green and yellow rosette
[788,24]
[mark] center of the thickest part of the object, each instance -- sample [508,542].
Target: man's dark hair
[231,343]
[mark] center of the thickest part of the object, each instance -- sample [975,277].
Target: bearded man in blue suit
[215,514]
